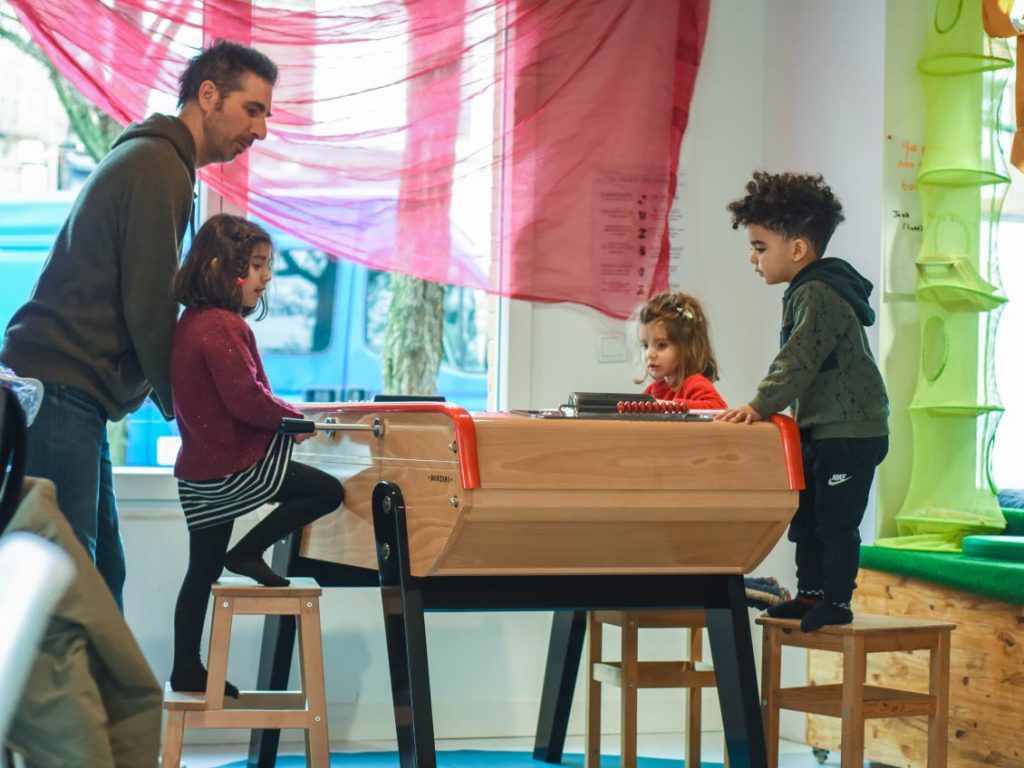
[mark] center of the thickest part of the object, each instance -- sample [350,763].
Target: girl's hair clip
[686,312]
[239,281]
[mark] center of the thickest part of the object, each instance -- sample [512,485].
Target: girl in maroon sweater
[232,458]
[675,342]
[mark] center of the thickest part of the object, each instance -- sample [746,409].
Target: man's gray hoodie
[101,317]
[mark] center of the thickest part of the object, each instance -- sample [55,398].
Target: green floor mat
[995,547]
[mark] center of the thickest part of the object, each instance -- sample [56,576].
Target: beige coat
[91,700]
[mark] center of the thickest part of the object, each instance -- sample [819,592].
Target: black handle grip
[296,426]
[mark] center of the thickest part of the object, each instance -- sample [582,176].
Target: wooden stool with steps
[631,674]
[305,709]
[852,700]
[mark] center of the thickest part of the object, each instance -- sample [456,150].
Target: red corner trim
[465,429]
[791,447]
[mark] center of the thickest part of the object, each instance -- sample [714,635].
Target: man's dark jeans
[67,443]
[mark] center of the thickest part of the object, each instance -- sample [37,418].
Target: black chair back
[12,455]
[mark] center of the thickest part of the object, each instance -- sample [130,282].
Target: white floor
[669,745]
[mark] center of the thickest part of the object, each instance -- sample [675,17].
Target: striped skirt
[211,502]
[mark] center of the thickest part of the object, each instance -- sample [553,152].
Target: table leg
[733,657]
[402,601]
[568,630]
[276,650]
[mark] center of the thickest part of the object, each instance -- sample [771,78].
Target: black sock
[826,613]
[796,608]
[193,679]
[255,567]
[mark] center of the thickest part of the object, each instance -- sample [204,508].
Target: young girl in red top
[232,458]
[675,342]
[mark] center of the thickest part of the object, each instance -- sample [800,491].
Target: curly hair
[791,205]
[224,63]
[688,329]
[219,257]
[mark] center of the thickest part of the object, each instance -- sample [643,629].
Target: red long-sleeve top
[696,393]
[226,412]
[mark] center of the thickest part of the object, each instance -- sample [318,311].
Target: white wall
[828,118]
[809,99]
[899,336]
[794,84]
[788,85]
[831,121]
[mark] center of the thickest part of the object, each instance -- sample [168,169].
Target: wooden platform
[987,677]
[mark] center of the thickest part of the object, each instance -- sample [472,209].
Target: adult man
[99,325]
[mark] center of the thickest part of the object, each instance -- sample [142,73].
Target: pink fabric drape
[525,147]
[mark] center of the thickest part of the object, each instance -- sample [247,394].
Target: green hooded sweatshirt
[825,368]
[101,317]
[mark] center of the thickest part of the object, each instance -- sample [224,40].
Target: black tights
[305,495]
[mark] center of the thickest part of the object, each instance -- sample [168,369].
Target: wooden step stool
[306,709]
[631,674]
[852,700]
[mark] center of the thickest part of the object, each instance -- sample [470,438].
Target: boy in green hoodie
[826,372]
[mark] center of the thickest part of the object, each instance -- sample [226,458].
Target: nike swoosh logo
[838,479]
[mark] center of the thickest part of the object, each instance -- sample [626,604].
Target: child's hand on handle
[300,429]
[744,414]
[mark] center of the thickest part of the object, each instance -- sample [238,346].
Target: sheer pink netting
[525,147]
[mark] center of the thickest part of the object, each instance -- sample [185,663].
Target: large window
[1008,447]
[302,302]
[322,338]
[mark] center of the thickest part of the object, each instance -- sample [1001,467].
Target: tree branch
[94,128]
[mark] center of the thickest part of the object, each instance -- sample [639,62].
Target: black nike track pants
[837,472]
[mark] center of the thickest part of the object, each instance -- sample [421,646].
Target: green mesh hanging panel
[955,408]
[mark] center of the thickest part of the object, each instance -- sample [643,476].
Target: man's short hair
[225,63]
[791,205]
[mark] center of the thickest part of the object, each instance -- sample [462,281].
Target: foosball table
[447,510]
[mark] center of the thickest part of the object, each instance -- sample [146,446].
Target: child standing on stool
[675,342]
[826,371]
[232,458]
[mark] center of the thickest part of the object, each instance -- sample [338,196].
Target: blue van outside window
[322,337]
[320,341]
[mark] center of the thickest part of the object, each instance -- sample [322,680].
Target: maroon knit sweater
[226,412]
